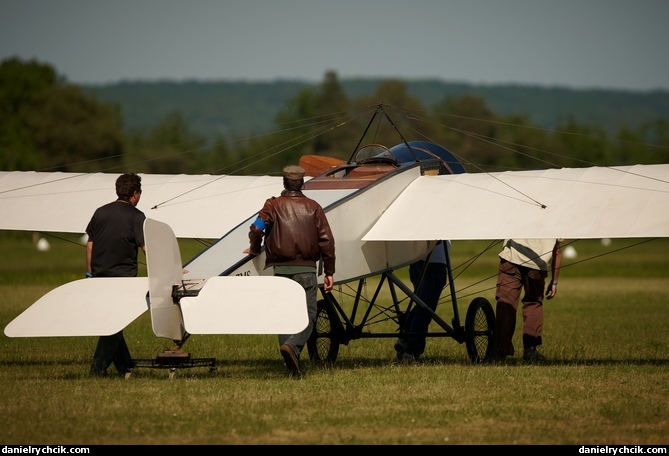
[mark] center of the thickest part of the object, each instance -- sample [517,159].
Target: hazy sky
[618,44]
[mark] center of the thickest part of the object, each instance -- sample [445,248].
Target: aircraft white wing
[195,206]
[570,203]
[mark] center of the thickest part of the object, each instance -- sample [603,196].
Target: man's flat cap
[293,172]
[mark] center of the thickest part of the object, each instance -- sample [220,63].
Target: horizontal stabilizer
[86,307]
[246,305]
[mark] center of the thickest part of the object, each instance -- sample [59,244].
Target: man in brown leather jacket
[297,238]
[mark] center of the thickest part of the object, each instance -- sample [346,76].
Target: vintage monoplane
[388,206]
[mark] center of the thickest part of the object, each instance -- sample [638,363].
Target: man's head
[293,177]
[127,185]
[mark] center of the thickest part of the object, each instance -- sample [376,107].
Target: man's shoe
[408,358]
[532,355]
[400,348]
[292,363]
[97,373]
[497,359]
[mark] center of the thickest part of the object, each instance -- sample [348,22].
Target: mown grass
[606,381]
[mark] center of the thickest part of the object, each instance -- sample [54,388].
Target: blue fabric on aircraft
[422,150]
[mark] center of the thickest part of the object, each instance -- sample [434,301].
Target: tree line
[49,124]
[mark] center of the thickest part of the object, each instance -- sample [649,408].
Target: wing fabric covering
[570,203]
[195,206]
[580,203]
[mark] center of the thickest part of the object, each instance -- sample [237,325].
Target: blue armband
[259,223]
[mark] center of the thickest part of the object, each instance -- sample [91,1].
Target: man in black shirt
[115,233]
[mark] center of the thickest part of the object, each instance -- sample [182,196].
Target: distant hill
[224,108]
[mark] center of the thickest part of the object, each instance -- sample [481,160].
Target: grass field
[606,380]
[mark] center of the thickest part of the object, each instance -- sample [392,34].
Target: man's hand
[247,251]
[551,290]
[328,283]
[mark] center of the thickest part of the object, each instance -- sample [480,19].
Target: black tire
[480,331]
[323,344]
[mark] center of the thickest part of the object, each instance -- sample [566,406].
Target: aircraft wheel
[323,344]
[173,373]
[480,330]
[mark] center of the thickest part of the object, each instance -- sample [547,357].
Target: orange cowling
[317,164]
